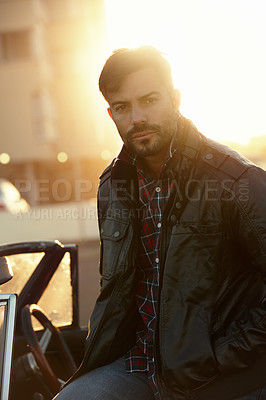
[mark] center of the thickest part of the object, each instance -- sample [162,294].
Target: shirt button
[158,189]
[157,260]
[116,234]
[159,225]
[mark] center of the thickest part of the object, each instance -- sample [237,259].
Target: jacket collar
[189,147]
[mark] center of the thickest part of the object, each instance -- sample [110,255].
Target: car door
[46,275]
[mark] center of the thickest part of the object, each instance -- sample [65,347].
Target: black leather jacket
[210,337]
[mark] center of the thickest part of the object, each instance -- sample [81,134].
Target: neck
[154,163]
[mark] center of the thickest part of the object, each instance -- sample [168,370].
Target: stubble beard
[160,139]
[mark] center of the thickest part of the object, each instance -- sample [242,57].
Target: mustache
[142,128]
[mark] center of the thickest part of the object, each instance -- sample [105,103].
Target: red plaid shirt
[154,195]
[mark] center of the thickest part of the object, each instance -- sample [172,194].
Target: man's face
[144,112]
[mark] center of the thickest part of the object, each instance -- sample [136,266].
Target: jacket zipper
[157,324]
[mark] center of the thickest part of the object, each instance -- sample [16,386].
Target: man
[182,309]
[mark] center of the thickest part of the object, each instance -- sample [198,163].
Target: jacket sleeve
[248,219]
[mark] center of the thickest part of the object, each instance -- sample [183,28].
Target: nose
[138,115]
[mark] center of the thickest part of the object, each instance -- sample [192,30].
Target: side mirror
[6,272]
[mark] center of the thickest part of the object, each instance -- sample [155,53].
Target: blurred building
[52,134]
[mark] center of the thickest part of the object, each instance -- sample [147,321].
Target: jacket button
[178,205]
[208,156]
[173,219]
[116,234]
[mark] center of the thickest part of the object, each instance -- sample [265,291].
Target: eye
[150,100]
[120,107]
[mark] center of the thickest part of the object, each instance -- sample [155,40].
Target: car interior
[7,324]
[42,342]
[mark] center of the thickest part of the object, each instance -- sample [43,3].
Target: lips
[142,135]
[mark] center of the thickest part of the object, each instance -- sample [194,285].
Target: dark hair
[125,61]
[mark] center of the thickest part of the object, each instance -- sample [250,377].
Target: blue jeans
[112,382]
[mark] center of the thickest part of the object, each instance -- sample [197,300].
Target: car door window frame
[41,276]
[8,301]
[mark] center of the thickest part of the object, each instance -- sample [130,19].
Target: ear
[110,113]
[176,98]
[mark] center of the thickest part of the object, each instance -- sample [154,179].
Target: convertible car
[41,341]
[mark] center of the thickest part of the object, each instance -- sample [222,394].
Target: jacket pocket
[195,254]
[112,234]
[195,228]
[188,358]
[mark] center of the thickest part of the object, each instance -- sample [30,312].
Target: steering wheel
[38,348]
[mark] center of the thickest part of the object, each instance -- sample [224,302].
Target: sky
[217,50]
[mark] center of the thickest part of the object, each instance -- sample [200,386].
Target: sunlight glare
[218,57]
